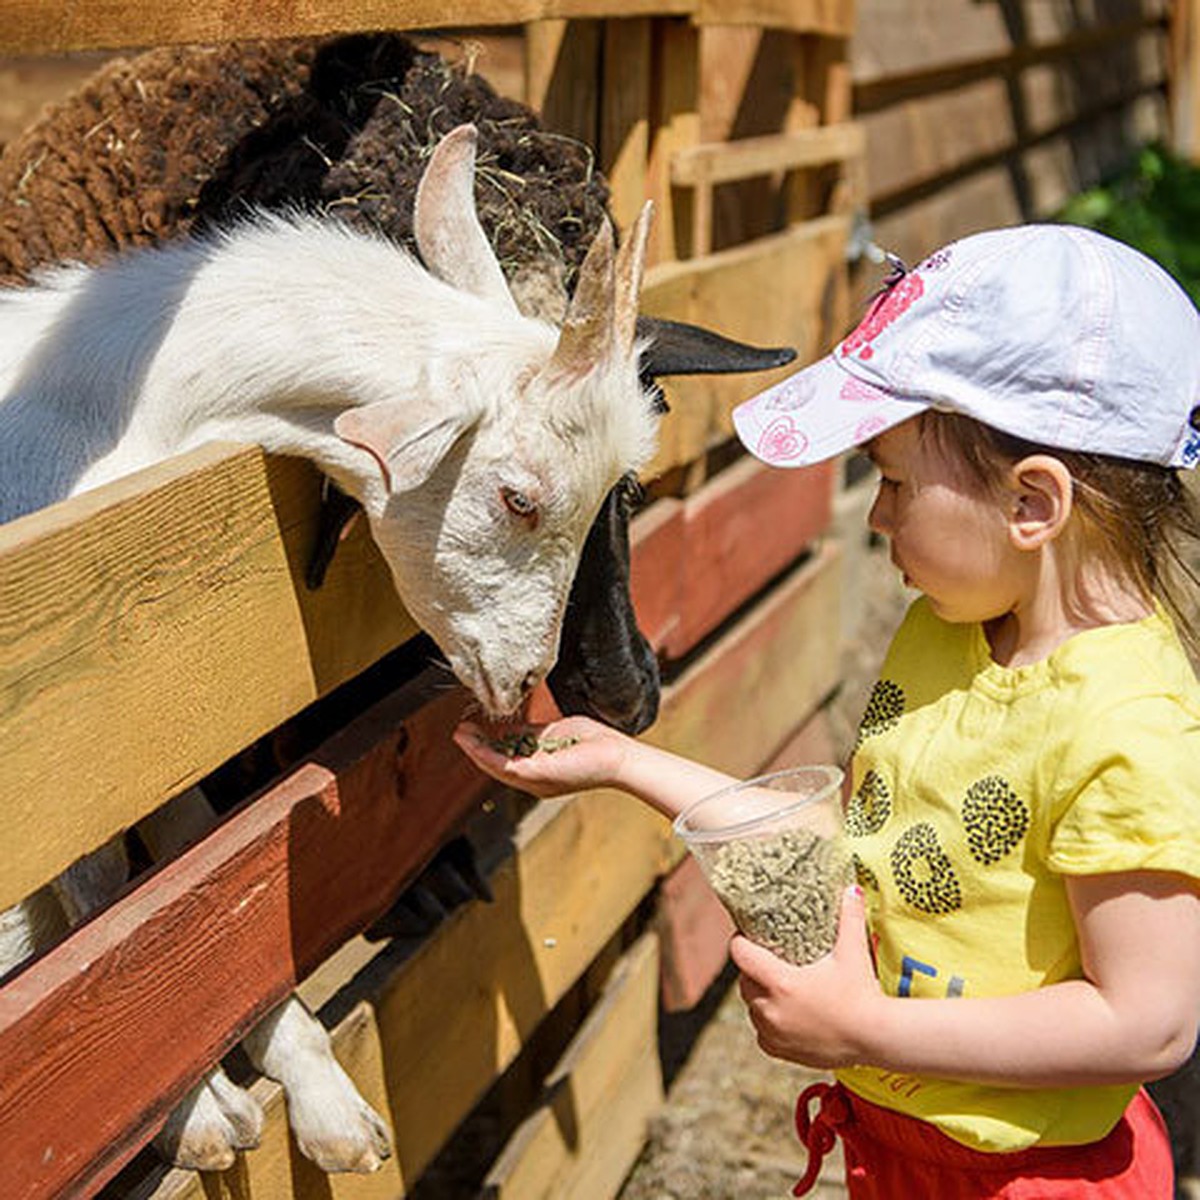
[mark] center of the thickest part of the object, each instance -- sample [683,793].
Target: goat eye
[517,503]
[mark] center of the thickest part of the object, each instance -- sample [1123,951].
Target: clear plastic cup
[773,850]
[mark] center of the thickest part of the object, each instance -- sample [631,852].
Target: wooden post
[1184,81]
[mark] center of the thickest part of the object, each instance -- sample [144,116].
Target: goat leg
[333,1125]
[208,1127]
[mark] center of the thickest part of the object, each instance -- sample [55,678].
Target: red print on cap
[890,305]
[781,440]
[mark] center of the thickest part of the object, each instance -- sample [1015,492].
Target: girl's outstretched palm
[578,753]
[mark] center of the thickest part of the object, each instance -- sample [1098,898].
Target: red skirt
[890,1156]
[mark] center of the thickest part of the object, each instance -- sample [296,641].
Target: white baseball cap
[1055,334]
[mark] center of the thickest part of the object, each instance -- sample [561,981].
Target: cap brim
[817,413]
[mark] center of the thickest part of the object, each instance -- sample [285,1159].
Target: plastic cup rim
[834,776]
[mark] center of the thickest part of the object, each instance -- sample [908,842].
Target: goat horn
[586,335]
[449,236]
[631,261]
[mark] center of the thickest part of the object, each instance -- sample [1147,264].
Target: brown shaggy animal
[178,139]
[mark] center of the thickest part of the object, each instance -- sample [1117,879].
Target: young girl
[1023,948]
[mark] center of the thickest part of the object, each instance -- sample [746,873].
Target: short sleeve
[1129,799]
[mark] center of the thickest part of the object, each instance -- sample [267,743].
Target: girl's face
[948,538]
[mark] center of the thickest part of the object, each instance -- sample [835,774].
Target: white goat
[480,443]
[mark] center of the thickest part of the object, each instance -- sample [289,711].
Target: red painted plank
[694,931]
[214,939]
[698,561]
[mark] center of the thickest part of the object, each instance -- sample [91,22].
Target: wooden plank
[741,702]
[720,162]
[129,617]
[927,142]
[600,1097]
[625,95]
[563,76]
[1185,79]
[694,930]
[55,26]
[675,123]
[724,544]
[832,17]
[786,289]
[903,78]
[268,894]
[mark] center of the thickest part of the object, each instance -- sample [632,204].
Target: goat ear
[449,236]
[631,263]
[586,335]
[407,448]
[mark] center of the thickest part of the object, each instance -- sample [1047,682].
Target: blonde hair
[1139,517]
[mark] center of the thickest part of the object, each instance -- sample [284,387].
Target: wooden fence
[990,114]
[155,628]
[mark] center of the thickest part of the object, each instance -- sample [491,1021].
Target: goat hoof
[240,1110]
[336,1128]
[210,1125]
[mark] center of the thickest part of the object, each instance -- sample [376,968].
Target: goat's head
[492,481]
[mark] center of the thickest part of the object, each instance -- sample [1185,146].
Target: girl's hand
[816,1014]
[587,754]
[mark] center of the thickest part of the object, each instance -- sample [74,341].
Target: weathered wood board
[787,289]
[131,616]
[985,115]
[56,26]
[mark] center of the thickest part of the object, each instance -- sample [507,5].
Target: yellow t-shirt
[977,788]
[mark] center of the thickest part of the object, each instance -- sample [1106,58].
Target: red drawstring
[819,1135]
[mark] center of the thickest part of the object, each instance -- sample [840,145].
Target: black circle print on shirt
[995,819]
[885,706]
[923,871]
[863,875]
[869,807]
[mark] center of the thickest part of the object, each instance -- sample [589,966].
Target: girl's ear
[1040,493]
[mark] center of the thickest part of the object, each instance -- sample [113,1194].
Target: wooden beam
[1184,79]
[832,17]
[724,162]
[882,90]
[218,936]
[785,289]
[675,123]
[625,92]
[56,26]
[221,933]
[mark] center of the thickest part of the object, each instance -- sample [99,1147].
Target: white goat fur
[480,443]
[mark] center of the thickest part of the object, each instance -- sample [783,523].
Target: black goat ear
[677,348]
